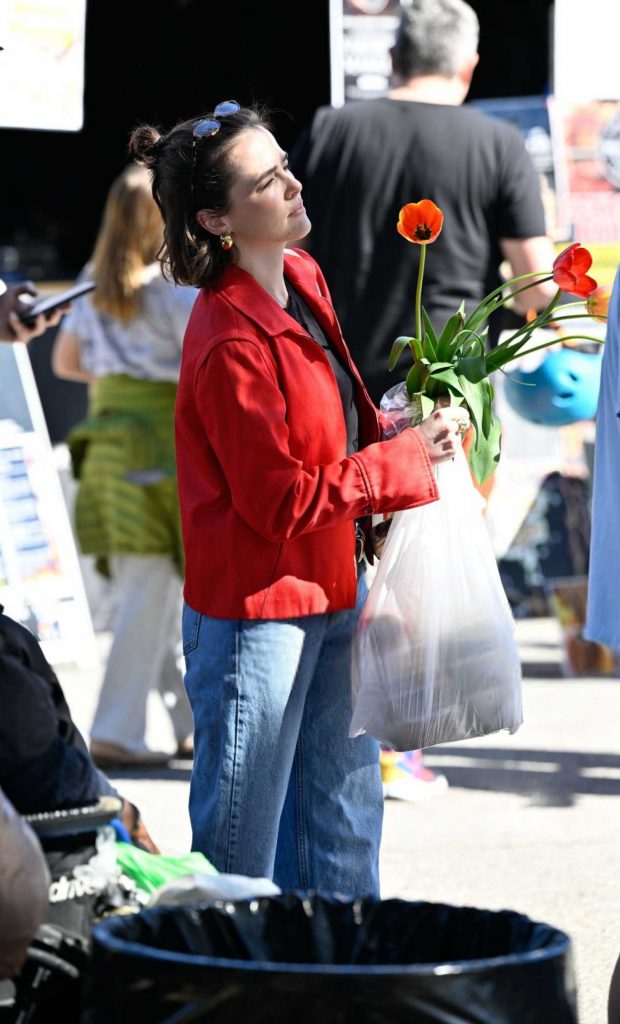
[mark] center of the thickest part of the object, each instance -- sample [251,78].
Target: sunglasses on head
[209,126]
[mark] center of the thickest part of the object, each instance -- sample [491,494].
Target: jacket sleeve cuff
[397,474]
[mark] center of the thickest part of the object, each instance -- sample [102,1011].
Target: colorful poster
[40,581]
[589,137]
[42,64]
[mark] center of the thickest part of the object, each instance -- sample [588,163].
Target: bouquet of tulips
[435,657]
[453,364]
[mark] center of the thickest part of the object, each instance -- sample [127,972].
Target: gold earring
[226,241]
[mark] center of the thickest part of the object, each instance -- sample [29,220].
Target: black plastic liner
[319,959]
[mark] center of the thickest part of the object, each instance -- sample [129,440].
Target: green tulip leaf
[445,342]
[416,348]
[485,451]
[474,368]
[427,404]
[487,413]
[483,312]
[416,378]
[398,348]
[450,378]
[421,406]
[475,397]
[474,346]
[430,338]
[501,355]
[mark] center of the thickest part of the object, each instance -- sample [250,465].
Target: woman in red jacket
[278,455]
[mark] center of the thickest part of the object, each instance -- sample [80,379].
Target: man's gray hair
[435,37]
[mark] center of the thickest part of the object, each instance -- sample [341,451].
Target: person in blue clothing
[603,606]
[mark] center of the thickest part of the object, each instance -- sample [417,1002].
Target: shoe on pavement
[112,755]
[405,777]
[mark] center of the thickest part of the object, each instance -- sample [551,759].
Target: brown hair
[186,179]
[130,237]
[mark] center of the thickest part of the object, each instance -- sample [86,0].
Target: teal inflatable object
[563,389]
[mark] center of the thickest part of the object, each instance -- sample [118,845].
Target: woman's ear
[212,222]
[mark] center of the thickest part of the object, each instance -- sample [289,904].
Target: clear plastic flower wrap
[435,655]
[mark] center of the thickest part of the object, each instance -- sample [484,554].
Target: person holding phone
[13,308]
[125,340]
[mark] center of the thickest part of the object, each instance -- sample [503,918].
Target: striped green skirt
[123,460]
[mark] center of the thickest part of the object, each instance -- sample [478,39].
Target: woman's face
[265,200]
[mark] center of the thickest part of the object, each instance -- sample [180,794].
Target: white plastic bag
[199,888]
[435,657]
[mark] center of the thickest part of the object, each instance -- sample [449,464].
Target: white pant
[143,657]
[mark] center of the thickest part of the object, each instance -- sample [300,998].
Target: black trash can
[309,958]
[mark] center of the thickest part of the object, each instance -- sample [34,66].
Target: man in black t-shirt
[360,164]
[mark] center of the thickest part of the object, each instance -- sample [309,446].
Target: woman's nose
[293,186]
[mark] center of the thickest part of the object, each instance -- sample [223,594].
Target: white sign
[40,580]
[585,50]
[42,64]
[361,35]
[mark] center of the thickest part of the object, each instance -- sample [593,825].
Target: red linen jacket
[267,494]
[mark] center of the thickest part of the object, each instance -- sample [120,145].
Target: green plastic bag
[149,871]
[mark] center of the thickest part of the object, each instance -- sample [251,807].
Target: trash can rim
[111,943]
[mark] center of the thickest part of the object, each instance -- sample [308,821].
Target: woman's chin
[300,230]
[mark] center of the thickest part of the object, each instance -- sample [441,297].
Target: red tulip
[570,271]
[420,222]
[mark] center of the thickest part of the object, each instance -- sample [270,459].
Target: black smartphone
[51,302]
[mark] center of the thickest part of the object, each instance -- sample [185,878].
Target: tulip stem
[518,291]
[418,294]
[569,337]
[540,323]
[513,280]
[538,348]
[533,325]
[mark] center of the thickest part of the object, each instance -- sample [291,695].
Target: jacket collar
[245,293]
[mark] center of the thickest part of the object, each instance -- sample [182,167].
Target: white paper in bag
[435,656]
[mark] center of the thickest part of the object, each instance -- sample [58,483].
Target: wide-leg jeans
[278,788]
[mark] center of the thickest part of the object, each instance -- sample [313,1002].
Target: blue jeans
[278,789]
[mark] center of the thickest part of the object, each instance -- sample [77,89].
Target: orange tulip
[420,222]
[570,271]
[597,304]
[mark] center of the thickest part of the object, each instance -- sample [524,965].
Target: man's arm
[526,256]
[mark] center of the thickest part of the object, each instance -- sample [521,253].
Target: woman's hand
[132,820]
[442,431]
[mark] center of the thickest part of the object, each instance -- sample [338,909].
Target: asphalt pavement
[530,822]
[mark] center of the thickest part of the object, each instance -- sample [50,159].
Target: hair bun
[144,145]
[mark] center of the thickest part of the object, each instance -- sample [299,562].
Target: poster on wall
[361,34]
[589,141]
[42,64]
[40,580]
